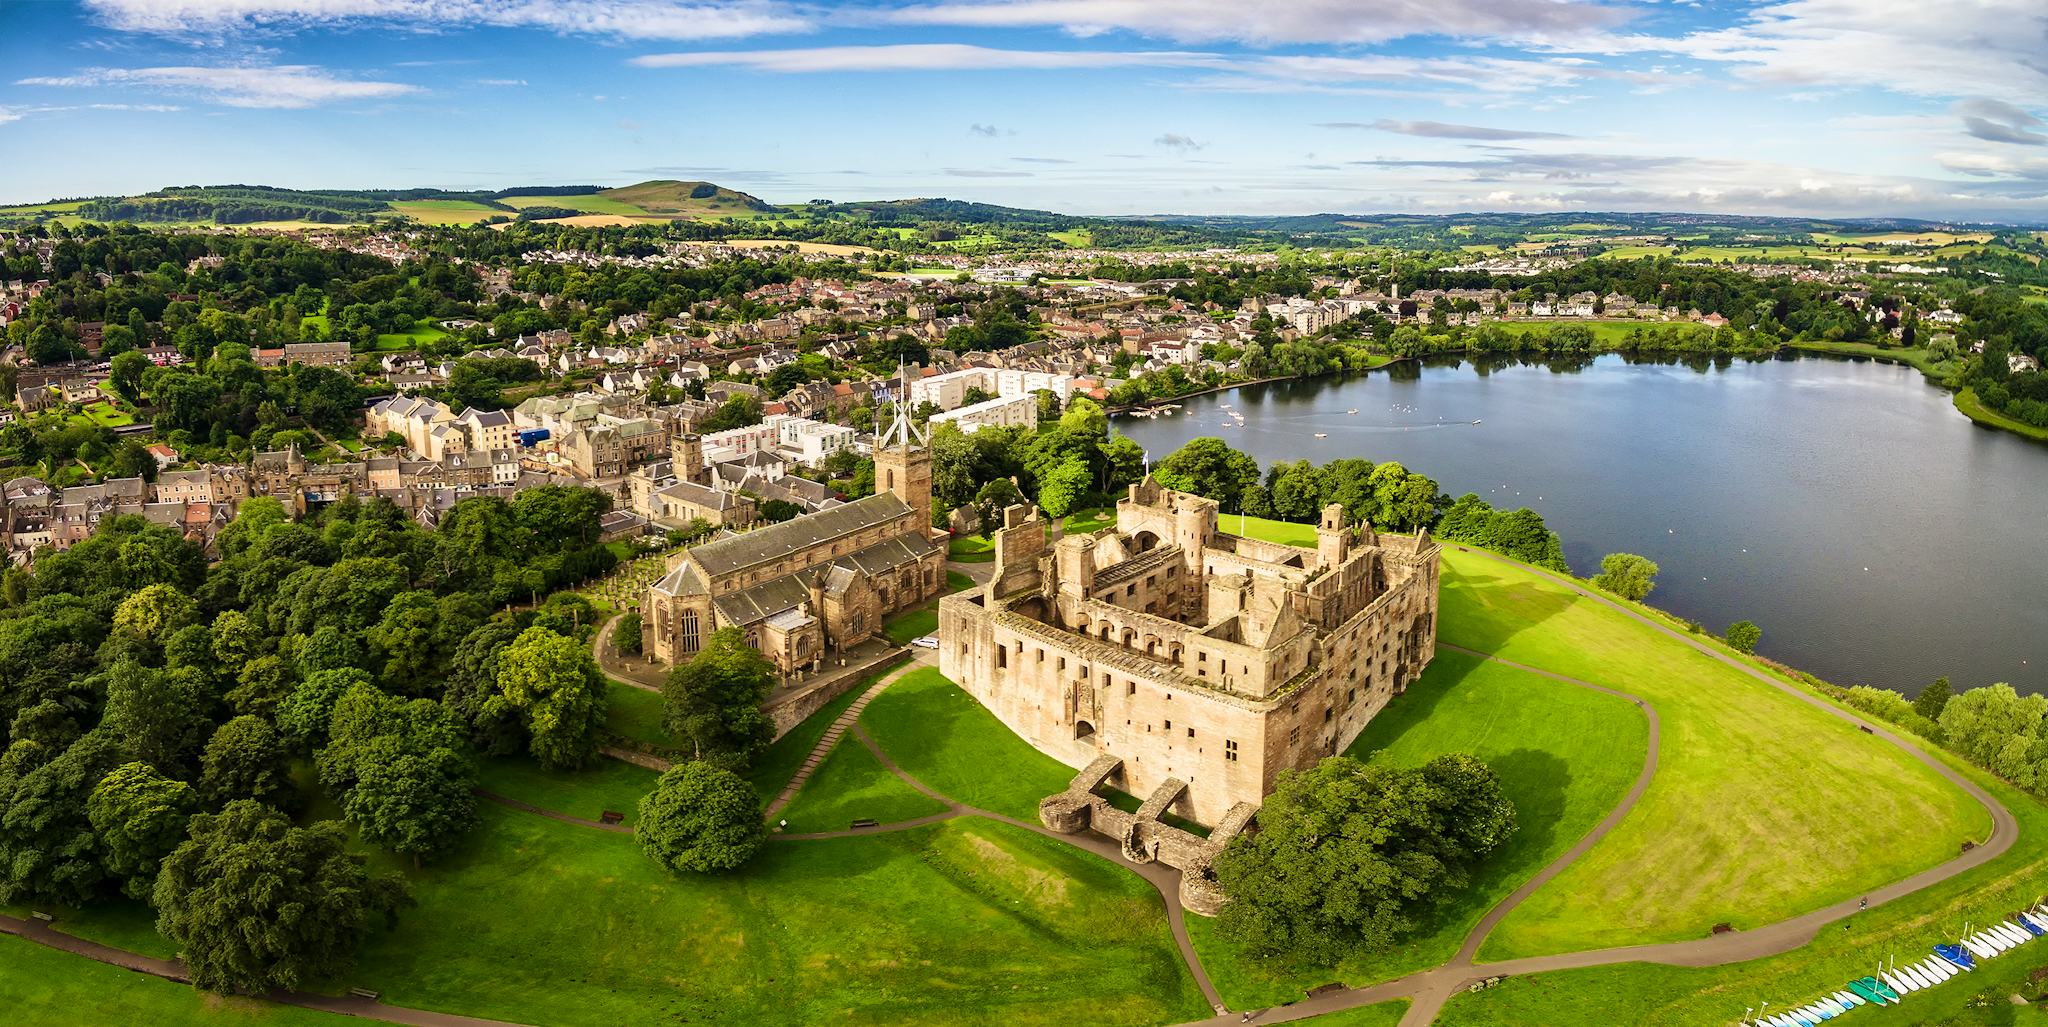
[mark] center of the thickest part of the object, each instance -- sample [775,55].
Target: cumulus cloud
[1444,130]
[1999,122]
[1176,141]
[1296,21]
[1041,160]
[988,131]
[282,85]
[630,19]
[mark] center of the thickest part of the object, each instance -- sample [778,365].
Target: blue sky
[1823,107]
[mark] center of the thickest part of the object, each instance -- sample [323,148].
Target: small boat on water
[1475,420]
[1322,435]
[1353,410]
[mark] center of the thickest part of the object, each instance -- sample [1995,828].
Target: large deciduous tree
[245,760]
[255,903]
[1742,636]
[554,686]
[400,770]
[1350,857]
[139,816]
[1627,575]
[701,818]
[713,702]
[1207,467]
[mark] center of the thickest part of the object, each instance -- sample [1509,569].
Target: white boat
[1475,420]
[2012,935]
[2021,934]
[1931,969]
[1895,983]
[1905,985]
[1994,941]
[1926,979]
[1834,1005]
[1353,410]
[2037,921]
[1849,999]
[1322,435]
[1978,948]
[1906,974]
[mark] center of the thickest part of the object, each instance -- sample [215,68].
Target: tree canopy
[701,818]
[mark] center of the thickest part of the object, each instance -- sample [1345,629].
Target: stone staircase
[831,738]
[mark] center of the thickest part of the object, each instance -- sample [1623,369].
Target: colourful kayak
[1866,990]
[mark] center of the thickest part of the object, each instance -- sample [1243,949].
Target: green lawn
[912,624]
[941,736]
[607,784]
[1565,755]
[101,415]
[1745,821]
[410,339]
[852,784]
[968,921]
[1383,1014]
[1666,996]
[971,549]
[1605,333]
[1079,238]
[42,987]
[1083,522]
[1915,357]
[956,581]
[1974,409]
[773,769]
[636,713]
[119,922]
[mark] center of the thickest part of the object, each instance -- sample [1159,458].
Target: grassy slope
[1915,357]
[1745,821]
[775,767]
[606,784]
[852,784]
[444,212]
[42,987]
[588,203]
[636,713]
[961,922]
[1663,996]
[1971,407]
[673,199]
[941,736]
[1566,756]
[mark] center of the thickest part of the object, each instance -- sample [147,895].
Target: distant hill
[670,198]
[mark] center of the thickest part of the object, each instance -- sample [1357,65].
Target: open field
[1745,821]
[1666,996]
[1565,755]
[802,246]
[1078,238]
[58,207]
[46,988]
[941,736]
[424,332]
[445,212]
[1384,1014]
[606,784]
[102,415]
[967,920]
[852,784]
[588,203]
[1915,357]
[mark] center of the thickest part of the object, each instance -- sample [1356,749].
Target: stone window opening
[1191,732]
[1169,725]
[1230,750]
[1002,657]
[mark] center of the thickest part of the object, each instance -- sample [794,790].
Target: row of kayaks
[1888,986]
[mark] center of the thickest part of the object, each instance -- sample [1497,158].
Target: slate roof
[777,595]
[796,534]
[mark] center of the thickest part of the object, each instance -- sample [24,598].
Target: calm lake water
[1874,533]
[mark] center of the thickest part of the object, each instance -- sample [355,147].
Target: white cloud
[1444,130]
[8,114]
[923,57]
[631,19]
[1291,21]
[282,85]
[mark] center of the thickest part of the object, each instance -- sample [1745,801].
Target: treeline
[1572,339]
[2007,326]
[154,707]
[1994,727]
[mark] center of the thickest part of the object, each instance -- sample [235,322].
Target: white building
[807,441]
[948,391]
[998,412]
[739,443]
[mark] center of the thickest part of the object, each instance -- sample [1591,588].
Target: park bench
[863,822]
[40,915]
[611,816]
[365,993]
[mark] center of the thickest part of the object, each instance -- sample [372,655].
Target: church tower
[686,457]
[903,460]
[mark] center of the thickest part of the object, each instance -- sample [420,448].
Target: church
[813,585]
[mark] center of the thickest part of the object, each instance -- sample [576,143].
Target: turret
[1333,542]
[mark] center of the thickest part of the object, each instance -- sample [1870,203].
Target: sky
[1835,108]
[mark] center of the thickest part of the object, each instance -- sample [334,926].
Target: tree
[626,634]
[713,702]
[1061,490]
[255,903]
[1743,636]
[701,818]
[124,374]
[48,851]
[158,719]
[554,685]
[400,771]
[1933,699]
[139,816]
[154,611]
[244,760]
[303,715]
[1207,467]
[1351,857]
[1981,723]
[991,500]
[1627,575]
